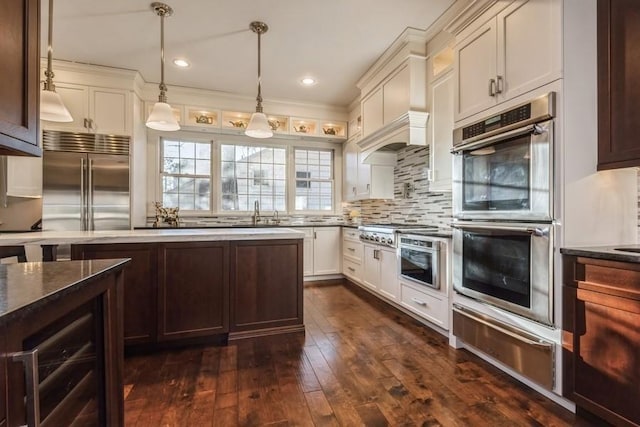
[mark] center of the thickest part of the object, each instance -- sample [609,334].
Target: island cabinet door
[266,287]
[193,290]
[3,381]
[140,285]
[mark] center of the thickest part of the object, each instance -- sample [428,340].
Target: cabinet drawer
[351,269]
[352,249]
[426,306]
[351,234]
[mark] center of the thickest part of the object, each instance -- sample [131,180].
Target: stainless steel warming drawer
[525,353]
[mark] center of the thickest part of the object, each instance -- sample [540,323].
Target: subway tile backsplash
[417,205]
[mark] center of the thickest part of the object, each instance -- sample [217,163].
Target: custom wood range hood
[394,99]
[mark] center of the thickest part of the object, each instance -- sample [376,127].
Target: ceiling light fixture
[51,106]
[259,125]
[308,81]
[180,62]
[161,117]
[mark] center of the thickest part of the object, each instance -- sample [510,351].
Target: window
[314,180]
[251,173]
[186,175]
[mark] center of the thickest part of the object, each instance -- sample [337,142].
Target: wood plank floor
[359,363]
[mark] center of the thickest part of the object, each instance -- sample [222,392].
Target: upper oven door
[506,177]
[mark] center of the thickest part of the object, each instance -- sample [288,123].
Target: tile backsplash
[418,205]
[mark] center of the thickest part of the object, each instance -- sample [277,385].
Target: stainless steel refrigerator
[85,182]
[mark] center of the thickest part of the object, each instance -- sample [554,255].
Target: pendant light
[259,125]
[51,106]
[161,117]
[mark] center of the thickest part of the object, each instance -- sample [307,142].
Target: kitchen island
[193,285]
[61,343]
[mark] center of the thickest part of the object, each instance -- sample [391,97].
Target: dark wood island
[61,352]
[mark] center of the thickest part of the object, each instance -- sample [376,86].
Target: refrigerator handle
[91,225]
[83,194]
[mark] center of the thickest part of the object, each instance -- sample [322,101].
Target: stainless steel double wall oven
[503,209]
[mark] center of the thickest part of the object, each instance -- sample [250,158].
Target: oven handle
[519,337]
[536,231]
[534,129]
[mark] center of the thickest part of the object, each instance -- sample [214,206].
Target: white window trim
[292,169]
[154,178]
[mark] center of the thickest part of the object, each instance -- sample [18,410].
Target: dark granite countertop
[30,285]
[606,252]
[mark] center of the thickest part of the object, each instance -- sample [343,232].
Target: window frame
[211,175]
[155,150]
[334,201]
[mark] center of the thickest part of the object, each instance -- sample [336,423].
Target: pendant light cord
[48,84]
[259,97]
[163,87]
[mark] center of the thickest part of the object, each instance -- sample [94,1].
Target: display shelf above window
[279,124]
[303,126]
[235,120]
[333,129]
[202,117]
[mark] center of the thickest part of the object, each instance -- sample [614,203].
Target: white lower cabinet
[430,306]
[321,251]
[352,249]
[380,271]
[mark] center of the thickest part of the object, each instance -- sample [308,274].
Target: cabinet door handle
[354,190]
[30,361]
[492,87]
[87,124]
[419,302]
[376,254]
[499,85]
[368,187]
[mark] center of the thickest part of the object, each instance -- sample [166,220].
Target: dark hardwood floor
[359,363]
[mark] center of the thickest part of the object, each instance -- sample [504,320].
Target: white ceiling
[335,41]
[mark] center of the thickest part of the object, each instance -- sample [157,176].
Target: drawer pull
[351,269]
[352,249]
[419,302]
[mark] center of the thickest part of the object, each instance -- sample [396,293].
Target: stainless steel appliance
[503,165]
[509,265]
[419,259]
[386,234]
[85,181]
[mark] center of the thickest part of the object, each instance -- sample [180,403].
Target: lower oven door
[505,264]
[420,265]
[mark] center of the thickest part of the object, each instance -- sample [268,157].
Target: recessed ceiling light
[182,63]
[308,81]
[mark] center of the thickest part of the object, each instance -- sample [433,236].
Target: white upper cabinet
[513,52]
[350,170]
[24,176]
[441,135]
[94,109]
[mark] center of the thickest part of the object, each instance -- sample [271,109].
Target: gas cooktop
[385,234]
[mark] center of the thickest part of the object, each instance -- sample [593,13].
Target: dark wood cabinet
[19,68]
[140,285]
[601,338]
[193,290]
[618,89]
[3,381]
[266,286]
[74,343]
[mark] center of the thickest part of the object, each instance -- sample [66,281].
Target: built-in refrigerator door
[63,200]
[108,194]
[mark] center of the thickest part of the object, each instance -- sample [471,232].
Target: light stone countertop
[147,236]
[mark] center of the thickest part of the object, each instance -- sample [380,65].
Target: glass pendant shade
[162,118]
[259,126]
[52,108]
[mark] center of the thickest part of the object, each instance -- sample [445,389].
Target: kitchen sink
[631,249]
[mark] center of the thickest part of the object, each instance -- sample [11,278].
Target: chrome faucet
[276,219]
[256,212]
